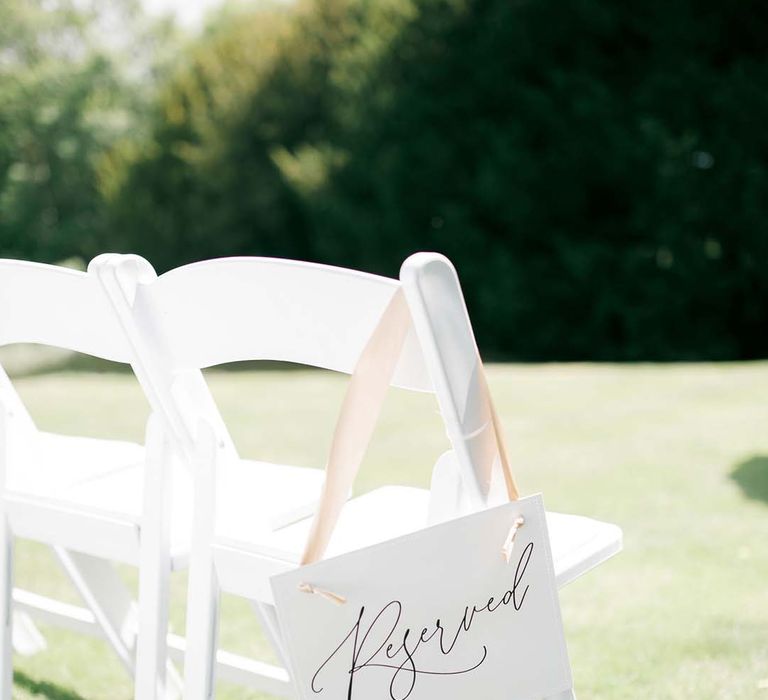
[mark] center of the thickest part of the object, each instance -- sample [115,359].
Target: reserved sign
[436,615]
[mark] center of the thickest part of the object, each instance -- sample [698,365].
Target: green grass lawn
[677,455]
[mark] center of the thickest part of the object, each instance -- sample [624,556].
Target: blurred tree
[74,77]
[243,132]
[204,183]
[598,171]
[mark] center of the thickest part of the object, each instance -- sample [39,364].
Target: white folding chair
[94,501]
[269,309]
[178,324]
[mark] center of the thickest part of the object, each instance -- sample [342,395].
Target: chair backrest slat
[234,309]
[56,306]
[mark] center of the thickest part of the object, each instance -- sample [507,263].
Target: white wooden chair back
[232,309]
[60,307]
[54,306]
[235,309]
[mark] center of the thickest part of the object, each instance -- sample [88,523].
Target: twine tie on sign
[509,543]
[333,597]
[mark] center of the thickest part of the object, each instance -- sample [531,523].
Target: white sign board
[435,615]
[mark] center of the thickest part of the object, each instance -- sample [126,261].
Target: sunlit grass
[677,455]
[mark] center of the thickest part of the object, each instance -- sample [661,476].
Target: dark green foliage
[597,170]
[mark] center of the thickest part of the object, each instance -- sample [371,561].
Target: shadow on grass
[752,477]
[43,689]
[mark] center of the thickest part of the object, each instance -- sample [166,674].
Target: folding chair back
[55,306]
[238,309]
[235,309]
[231,309]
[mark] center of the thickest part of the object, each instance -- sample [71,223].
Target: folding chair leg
[6,608]
[6,567]
[104,592]
[27,639]
[268,618]
[202,632]
[203,591]
[156,677]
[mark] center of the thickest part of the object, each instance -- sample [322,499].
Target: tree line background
[597,170]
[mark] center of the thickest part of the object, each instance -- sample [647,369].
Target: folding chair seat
[578,543]
[114,486]
[47,463]
[107,476]
[231,309]
[69,491]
